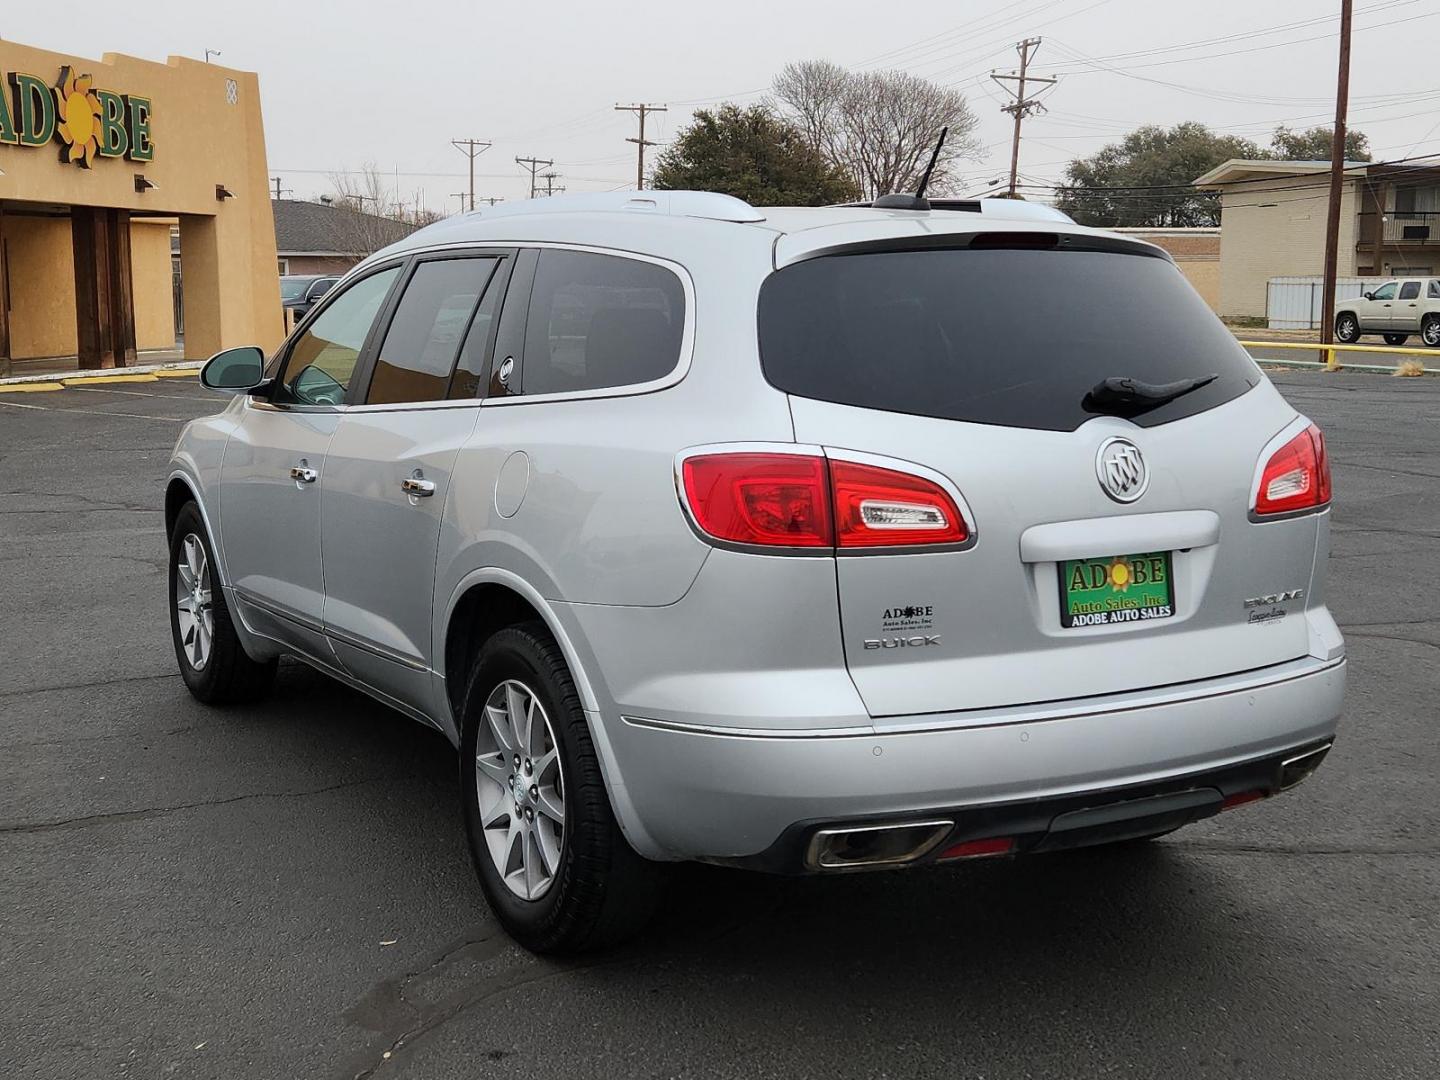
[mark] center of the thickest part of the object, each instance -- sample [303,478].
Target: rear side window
[1410,290]
[430,322]
[994,336]
[600,321]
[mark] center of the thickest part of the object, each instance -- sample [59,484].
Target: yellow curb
[30,387]
[189,373]
[97,379]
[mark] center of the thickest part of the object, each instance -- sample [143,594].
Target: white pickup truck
[1396,309]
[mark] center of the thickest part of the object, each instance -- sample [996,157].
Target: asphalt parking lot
[283,890]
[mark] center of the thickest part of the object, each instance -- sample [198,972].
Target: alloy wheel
[195,613]
[521,790]
[1346,330]
[1431,332]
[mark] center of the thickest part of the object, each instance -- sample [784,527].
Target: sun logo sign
[78,122]
[89,122]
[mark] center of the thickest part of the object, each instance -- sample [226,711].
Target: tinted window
[1410,290]
[1385,292]
[418,354]
[995,336]
[474,354]
[322,359]
[1433,292]
[291,288]
[598,321]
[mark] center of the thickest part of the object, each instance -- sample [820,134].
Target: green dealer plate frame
[1093,592]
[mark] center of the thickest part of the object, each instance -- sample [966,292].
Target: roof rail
[696,204]
[1014,209]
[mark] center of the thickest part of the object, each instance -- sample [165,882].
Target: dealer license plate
[1116,589]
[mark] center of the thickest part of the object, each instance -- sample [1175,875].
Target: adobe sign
[88,122]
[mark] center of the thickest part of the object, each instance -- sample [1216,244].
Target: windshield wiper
[1125,396]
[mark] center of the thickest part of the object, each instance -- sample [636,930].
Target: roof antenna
[918,200]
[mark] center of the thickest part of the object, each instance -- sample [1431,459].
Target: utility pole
[1337,185]
[276,181]
[491,199]
[461,196]
[471,148]
[642,110]
[550,188]
[1022,106]
[534,164]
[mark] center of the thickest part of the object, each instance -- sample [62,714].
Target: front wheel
[213,662]
[1396,339]
[550,856]
[1430,331]
[1347,328]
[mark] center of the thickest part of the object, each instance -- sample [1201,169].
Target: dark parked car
[300,292]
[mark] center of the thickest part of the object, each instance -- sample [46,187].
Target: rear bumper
[756,799]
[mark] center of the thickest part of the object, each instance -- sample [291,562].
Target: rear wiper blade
[1118,396]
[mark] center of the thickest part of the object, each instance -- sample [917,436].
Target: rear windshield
[994,336]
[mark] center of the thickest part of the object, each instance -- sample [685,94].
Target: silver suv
[805,540]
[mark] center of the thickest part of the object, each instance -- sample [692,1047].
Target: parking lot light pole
[1337,180]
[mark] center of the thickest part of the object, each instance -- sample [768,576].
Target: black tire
[1396,339]
[601,892]
[1347,328]
[228,674]
[1430,331]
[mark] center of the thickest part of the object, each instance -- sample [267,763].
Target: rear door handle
[303,475]
[420,489]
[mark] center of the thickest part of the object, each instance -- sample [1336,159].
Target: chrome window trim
[687,334]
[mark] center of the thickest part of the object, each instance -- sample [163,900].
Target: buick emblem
[1121,470]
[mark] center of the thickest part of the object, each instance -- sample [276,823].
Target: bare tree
[370,214]
[878,127]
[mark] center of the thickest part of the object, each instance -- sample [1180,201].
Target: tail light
[877,507]
[777,500]
[810,501]
[1297,476]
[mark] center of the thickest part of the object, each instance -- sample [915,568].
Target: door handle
[303,475]
[417,488]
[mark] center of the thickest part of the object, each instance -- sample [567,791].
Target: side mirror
[1369,295]
[234,371]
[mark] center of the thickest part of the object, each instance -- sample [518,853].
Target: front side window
[600,321]
[418,355]
[322,360]
[1385,292]
[1410,290]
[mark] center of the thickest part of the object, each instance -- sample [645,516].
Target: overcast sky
[347,83]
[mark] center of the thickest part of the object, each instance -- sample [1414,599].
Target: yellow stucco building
[99,160]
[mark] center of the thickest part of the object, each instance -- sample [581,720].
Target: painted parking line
[182,373]
[139,393]
[95,412]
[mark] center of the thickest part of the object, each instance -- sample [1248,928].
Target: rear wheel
[213,663]
[1347,328]
[549,854]
[1396,339]
[1430,331]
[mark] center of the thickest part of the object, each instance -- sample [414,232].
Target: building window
[284,266]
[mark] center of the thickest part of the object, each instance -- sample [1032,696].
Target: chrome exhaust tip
[1294,770]
[864,847]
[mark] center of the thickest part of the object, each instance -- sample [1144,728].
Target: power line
[468,147]
[1022,106]
[534,164]
[642,110]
